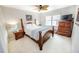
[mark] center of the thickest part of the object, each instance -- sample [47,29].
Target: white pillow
[28,26]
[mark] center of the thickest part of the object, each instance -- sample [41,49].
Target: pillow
[28,26]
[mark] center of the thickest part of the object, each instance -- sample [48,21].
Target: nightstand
[19,34]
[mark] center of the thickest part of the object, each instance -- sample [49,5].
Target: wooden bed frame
[42,39]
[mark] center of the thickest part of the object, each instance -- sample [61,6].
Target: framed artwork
[29,17]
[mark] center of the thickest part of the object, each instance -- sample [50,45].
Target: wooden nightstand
[19,34]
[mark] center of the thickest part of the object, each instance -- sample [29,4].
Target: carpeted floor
[56,44]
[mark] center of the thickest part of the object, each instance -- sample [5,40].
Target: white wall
[75,34]
[11,14]
[61,11]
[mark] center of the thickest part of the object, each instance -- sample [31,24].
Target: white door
[75,39]
[3,34]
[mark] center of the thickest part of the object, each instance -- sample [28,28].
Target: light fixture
[12,26]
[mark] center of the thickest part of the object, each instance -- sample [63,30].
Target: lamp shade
[12,26]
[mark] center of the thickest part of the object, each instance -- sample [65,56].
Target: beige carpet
[57,44]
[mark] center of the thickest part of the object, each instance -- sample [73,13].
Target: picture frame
[29,17]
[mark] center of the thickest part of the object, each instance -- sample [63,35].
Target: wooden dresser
[65,28]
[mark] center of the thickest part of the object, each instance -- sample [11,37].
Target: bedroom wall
[15,14]
[12,14]
[61,11]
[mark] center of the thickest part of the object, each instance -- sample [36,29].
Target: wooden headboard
[30,22]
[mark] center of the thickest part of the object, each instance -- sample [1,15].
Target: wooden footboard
[40,41]
[47,35]
[43,39]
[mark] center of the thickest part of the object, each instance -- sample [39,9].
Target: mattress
[33,30]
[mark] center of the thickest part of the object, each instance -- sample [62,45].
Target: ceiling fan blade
[36,9]
[45,6]
[44,9]
[37,5]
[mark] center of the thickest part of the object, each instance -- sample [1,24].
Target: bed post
[52,31]
[22,26]
[40,41]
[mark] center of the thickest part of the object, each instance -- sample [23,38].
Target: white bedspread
[33,30]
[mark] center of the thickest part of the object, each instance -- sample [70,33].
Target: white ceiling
[32,8]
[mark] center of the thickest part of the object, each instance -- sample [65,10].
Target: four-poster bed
[38,34]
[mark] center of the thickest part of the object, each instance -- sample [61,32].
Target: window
[48,20]
[52,20]
[56,19]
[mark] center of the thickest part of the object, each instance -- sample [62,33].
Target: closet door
[3,37]
[1,47]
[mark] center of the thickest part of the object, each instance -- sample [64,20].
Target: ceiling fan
[42,7]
